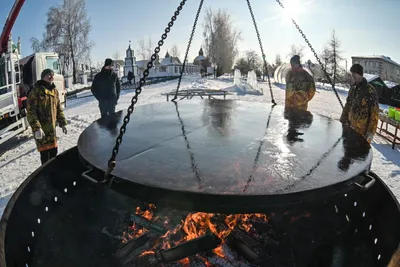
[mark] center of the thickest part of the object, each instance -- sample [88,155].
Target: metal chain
[111,162]
[316,56]
[262,52]
[187,49]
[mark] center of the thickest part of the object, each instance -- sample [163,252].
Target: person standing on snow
[43,112]
[106,88]
[361,111]
[300,86]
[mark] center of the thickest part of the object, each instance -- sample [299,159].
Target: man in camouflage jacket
[300,86]
[43,112]
[361,111]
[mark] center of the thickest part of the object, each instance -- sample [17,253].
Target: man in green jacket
[43,113]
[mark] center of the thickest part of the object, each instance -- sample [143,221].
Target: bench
[190,93]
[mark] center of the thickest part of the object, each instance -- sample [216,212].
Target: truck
[18,76]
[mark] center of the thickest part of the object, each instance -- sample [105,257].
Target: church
[130,65]
[167,66]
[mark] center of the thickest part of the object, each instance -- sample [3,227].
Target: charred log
[133,248]
[148,260]
[190,248]
[147,224]
[242,249]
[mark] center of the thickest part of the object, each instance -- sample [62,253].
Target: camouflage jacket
[43,112]
[300,89]
[361,111]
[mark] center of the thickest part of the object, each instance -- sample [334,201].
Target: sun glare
[293,8]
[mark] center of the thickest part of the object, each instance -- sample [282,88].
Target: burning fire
[193,226]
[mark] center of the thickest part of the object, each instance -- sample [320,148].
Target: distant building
[382,66]
[202,62]
[129,64]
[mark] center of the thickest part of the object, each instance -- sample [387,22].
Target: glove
[64,129]
[39,134]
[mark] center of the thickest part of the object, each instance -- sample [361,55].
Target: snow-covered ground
[21,157]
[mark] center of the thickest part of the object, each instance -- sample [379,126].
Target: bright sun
[293,8]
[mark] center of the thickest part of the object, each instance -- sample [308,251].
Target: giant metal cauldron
[210,156]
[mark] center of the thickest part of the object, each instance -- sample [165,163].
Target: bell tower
[130,61]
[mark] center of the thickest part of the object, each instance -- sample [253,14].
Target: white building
[168,66]
[382,66]
[130,64]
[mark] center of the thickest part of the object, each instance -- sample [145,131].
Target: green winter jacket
[43,112]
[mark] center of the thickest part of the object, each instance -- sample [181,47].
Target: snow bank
[79,86]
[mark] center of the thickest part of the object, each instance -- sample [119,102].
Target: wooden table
[190,93]
[388,135]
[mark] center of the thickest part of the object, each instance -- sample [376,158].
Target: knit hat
[357,68]
[295,60]
[46,72]
[108,62]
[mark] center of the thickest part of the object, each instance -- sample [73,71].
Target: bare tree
[220,39]
[141,50]
[67,32]
[38,45]
[116,55]
[332,56]
[278,60]
[99,65]
[296,50]
[250,61]
[149,48]
[175,51]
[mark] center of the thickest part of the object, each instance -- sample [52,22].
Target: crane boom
[9,25]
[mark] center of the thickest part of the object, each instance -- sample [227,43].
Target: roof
[200,57]
[370,77]
[390,84]
[387,59]
[170,61]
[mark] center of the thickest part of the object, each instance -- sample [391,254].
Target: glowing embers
[194,239]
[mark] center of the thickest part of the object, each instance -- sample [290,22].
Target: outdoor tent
[395,93]
[384,93]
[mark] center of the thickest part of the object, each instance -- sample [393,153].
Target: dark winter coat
[43,112]
[361,111]
[106,86]
[300,89]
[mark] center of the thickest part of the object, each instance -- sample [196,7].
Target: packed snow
[20,157]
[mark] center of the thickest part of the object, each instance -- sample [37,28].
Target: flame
[194,226]
[147,252]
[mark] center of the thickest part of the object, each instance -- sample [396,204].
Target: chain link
[188,48]
[262,52]
[316,56]
[111,162]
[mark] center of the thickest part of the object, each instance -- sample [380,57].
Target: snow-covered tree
[220,39]
[331,57]
[149,48]
[141,50]
[175,51]
[67,33]
[116,55]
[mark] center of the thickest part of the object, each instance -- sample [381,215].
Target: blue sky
[365,27]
